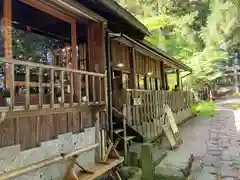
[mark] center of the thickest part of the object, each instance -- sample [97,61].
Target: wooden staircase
[122,131]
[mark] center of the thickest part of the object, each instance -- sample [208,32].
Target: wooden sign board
[137,101]
[171,119]
[172,124]
[170,136]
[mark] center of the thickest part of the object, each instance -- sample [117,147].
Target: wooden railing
[57,87]
[146,106]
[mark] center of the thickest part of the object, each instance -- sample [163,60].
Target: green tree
[200,33]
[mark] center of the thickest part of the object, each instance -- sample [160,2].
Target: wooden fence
[145,107]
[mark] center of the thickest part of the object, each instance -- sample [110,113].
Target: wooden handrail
[119,113]
[34,166]
[62,83]
[146,90]
[56,68]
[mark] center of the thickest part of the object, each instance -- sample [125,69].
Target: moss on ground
[236,106]
[205,108]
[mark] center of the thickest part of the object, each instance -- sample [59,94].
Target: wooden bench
[101,169]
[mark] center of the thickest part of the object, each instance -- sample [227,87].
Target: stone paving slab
[206,176]
[222,158]
[216,142]
[194,134]
[167,173]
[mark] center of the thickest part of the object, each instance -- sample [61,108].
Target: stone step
[167,173]
[135,155]
[130,173]
[174,166]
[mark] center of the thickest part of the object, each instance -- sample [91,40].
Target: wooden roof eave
[75,9]
[174,61]
[146,50]
[124,14]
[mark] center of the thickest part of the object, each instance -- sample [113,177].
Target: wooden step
[128,138]
[118,131]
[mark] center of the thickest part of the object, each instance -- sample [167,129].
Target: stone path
[194,134]
[222,158]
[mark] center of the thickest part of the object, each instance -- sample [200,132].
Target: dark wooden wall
[29,131]
[143,64]
[120,54]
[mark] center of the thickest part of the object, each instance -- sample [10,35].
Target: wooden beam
[49,10]
[74,44]
[95,54]
[162,75]
[132,67]
[76,77]
[96,47]
[7,24]
[20,112]
[166,81]
[178,77]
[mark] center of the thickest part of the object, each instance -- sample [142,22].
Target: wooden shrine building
[55,87]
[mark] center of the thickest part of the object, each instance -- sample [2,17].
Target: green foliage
[205,108]
[236,106]
[236,94]
[33,47]
[199,33]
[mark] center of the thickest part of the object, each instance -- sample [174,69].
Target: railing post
[100,88]
[87,87]
[62,88]
[80,89]
[71,89]
[12,86]
[27,81]
[93,89]
[40,88]
[52,88]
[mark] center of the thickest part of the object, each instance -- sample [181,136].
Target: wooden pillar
[166,81]
[7,23]
[95,54]
[76,77]
[178,77]
[162,75]
[132,67]
[74,44]
[96,47]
